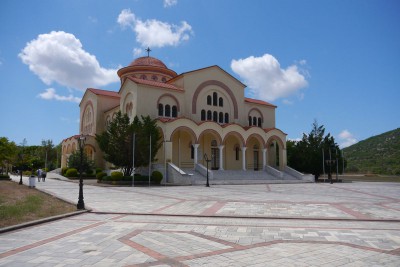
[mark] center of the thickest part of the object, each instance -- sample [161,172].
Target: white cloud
[93,19]
[287,102]
[266,79]
[346,139]
[50,94]
[59,57]
[126,18]
[137,51]
[155,33]
[169,3]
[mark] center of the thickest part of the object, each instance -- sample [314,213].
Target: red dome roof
[148,61]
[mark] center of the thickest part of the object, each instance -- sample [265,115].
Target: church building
[199,112]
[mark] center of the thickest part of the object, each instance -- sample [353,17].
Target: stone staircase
[242,177]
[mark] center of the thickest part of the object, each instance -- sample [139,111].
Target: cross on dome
[148,51]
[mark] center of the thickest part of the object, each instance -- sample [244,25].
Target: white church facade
[198,112]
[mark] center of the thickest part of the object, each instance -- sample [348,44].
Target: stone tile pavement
[350,224]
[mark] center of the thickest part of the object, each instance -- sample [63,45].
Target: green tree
[21,158]
[308,154]
[117,142]
[8,151]
[143,129]
[74,161]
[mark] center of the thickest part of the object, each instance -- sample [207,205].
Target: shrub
[100,175]
[64,170]
[4,177]
[156,176]
[116,176]
[106,178]
[89,172]
[98,170]
[71,172]
[140,178]
[127,178]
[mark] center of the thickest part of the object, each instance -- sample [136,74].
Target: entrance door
[214,158]
[255,160]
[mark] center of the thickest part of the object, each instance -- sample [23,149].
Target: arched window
[167,111]
[254,121]
[209,100]
[259,122]
[160,110]
[143,77]
[237,149]
[203,115]
[163,79]
[174,112]
[191,150]
[209,115]
[249,120]
[215,99]
[214,143]
[220,102]
[226,118]
[221,117]
[215,116]
[154,78]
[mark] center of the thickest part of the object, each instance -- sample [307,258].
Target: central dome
[147,68]
[148,61]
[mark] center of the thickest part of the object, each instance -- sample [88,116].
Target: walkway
[349,224]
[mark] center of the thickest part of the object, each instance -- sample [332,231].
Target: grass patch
[19,204]
[371,178]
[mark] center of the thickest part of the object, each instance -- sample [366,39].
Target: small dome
[148,61]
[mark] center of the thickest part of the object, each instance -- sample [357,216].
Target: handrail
[176,168]
[274,171]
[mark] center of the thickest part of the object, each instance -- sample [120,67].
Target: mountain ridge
[378,154]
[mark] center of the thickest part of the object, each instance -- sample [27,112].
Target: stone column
[221,158]
[195,146]
[284,159]
[244,158]
[168,151]
[264,158]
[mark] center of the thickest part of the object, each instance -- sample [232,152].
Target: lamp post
[81,142]
[207,160]
[330,162]
[21,157]
[20,176]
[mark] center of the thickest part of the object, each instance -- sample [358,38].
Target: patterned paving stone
[256,225]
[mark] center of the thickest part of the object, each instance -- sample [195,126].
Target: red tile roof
[103,92]
[156,84]
[256,101]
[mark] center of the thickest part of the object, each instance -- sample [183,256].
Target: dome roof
[148,61]
[147,66]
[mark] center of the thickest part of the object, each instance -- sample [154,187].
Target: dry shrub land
[376,155]
[20,204]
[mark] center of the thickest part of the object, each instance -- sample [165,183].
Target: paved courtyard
[349,224]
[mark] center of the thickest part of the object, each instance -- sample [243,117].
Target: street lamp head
[81,140]
[205,157]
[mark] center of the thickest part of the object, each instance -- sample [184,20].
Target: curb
[41,221]
[249,217]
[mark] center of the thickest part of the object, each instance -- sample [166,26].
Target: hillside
[378,154]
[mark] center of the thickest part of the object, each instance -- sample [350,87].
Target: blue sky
[334,61]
